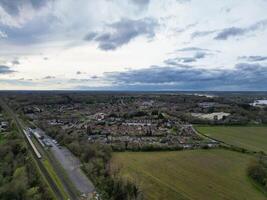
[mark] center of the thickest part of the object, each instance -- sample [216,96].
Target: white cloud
[56,30]
[3,35]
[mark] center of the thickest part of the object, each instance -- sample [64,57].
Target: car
[55,142]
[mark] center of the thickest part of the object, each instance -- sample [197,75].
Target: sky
[133,45]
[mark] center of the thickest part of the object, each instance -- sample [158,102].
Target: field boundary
[240,150]
[257,186]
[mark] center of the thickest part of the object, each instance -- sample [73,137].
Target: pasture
[195,174]
[253,138]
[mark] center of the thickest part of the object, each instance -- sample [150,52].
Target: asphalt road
[72,166]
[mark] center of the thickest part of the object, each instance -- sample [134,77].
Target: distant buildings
[259,103]
[99,116]
[206,104]
[4,125]
[211,116]
[124,123]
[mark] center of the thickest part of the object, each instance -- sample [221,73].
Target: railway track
[35,153]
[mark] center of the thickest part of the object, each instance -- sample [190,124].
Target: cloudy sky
[133,44]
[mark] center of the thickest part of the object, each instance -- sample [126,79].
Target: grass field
[197,174]
[252,138]
[55,178]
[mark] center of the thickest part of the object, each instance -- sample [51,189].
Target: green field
[196,174]
[55,178]
[252,138]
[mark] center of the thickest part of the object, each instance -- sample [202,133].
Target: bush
[257,170]
[96,159]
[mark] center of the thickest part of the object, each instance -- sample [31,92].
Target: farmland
[251,138]
[195,174]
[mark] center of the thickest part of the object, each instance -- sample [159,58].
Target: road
[65,181]
[71,166]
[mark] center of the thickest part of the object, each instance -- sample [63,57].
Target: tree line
[257,170]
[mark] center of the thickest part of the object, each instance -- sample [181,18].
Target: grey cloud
[191,25]
[15,62]
[226,33]
[193,49]
[25,25]
[83,80]
[13,6]
[122,32]
[141,2]
[200,55]
[21,82]
[159,75]
[187,59]
[194,58]
[237,31]
[259,25]
[80,80]
[94,77]
[253,58]
[49,77]
[226,10]
[202,33]
[5,70]
[187,27]
[197,53]
[183,1]
[244,76]
[230,32]
[3,35]
[23,79]
[90,36]
[80,72]
[36,30]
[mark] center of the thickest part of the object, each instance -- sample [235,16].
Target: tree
[257,170]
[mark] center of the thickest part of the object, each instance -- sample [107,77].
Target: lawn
[253,138]
[197,174]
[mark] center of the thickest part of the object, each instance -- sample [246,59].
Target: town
[137,121]
[75,136]
[124,123]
